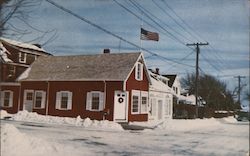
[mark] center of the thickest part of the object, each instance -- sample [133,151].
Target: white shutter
[69,105]
[43,99]
[88,101]
[11,99]
[101,102]
[2,98]
[58,100]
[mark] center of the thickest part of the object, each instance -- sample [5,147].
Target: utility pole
[239,86]
[197,72]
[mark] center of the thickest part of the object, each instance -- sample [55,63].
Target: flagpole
[140,33]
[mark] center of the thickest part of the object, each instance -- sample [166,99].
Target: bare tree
[20,11]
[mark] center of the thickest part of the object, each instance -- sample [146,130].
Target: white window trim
[89,101]
[144,94]
[25,56]
[59,98]
[43,99]
[136,93]
[136,71]
[10,99]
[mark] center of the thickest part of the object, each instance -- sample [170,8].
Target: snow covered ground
[63,137]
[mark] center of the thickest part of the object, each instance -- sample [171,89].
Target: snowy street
[220,137]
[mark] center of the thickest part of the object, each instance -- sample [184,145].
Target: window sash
[64,100]
[6,98]
[135,105]
[139,71]
[95,101]
[22,57]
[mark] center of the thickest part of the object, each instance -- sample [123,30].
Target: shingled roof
[115,67]
[171,79]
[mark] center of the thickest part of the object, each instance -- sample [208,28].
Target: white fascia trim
[10,84]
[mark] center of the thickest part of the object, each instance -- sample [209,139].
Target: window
[12,70]
[139,71]
[39,99]
[64,100]
[95,101]
[135,102]
[29,96]
[22,57]
[7,98]
[139,102]
[144,102]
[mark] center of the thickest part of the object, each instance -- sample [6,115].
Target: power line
[211,64]
[185,57]
[110,33]
[183,21]
[172,36]
[169,15]
[146,12]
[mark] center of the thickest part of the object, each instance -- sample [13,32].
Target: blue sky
[222,23]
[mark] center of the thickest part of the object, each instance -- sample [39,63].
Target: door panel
[160,106]
[120,106]
[28,100]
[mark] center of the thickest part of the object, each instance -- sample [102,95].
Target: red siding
[79,90]
[133,84]
[15,90]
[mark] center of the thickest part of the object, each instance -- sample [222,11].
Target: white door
[28,100]
[120,106]
[160,108]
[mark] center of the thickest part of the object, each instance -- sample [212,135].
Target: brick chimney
[157,71]
[106,51]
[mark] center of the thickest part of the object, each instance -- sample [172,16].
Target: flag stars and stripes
[147,35]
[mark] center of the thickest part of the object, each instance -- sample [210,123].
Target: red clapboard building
[112,86]
[15,58]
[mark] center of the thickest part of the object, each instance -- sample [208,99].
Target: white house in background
[160,97]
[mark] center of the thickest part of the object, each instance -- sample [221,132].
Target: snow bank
[34,117]
[15,143]
[4,114]
[230,119]
[188,125]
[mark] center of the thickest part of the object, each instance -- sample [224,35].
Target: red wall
[133,84]
[15,90]
[79,90]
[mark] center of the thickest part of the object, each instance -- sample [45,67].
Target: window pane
[6,99]
[135,106]
[95,101]
[144,104]
[64,100]
[38,99]
[139,71]
[29,96]
[22,57]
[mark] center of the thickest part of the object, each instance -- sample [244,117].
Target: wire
[183,21]
[172,36]
[112,34]
[169,15]
[140,7]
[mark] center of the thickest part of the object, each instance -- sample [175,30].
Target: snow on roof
[114,66]
[21,44]
[3,54]
[157,84]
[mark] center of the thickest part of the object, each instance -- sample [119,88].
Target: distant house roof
[157,84]
[24,46]
[171,79]
[116,66]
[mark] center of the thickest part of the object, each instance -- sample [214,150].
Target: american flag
[147,35]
